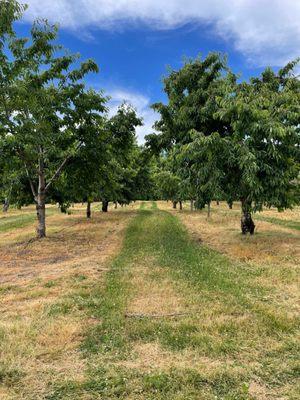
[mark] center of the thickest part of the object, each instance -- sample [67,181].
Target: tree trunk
[247,224]
[116,205]
[41,199]
[6,205]
[89,209]
[41,215]
[192,205]
[230,204]
[218,203]
[174,204]
[104,205]
[180,205]
[208,209]
[63,208]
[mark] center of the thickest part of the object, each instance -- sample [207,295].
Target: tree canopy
[217,138]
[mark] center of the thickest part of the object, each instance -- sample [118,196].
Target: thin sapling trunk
[208,209]
[41,199]
[192,205]
[6,205]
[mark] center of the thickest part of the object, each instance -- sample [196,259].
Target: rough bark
[174,204]
[247,224]
[104,205]
[6,205]
[89,209]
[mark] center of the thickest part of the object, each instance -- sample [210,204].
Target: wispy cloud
[267,31]
[140,102]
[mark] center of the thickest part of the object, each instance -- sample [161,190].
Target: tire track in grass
[221,343]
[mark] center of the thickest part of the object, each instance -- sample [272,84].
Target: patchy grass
[181,321]
[179,313]
[45,286]
[25,217]
[277,221]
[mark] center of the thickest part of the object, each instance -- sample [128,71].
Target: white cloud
[140,102]
[266,31]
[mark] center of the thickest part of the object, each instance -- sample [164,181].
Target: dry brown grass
[153,297]
[271,244]
[38,348]
[152,356]
[275,249]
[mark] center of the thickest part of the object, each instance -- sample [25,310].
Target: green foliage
[218,138]
[167,185]
[229,140]
[187,120]
[46,114]
[264,145]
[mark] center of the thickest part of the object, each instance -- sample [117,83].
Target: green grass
[20,221]
[282,222]
[154,205]
[245,338]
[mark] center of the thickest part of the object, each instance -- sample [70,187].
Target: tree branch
[34,192]
[57,172]
[59,169]
[31,183]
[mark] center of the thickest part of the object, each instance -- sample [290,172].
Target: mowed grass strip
[177,320]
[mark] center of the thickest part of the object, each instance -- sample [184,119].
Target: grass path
[177,320]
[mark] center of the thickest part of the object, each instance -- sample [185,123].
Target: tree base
[247,224]
[104,206]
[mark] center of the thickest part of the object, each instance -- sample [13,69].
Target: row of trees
[57,142]
[218,138]
[222,139]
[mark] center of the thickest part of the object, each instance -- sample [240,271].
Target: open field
[146,302]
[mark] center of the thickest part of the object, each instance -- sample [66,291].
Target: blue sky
[134,41]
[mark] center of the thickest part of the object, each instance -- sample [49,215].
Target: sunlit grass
[170,317]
